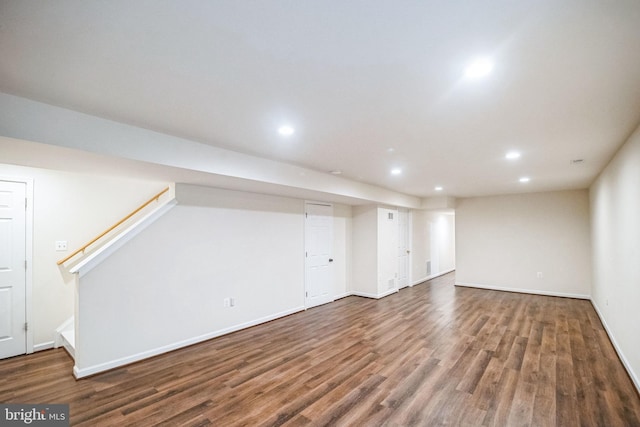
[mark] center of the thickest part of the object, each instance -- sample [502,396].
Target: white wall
[375,251]
[433,238]
[75,208]
[443,241]
[502,242]
[615,228]
[166,287]
[342,249]
[387,250]
[365,250]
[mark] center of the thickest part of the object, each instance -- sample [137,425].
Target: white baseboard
[95,369]
[364,294]
[523,291]
[374,296]
[625,362]
[387,293]
[43,346]
[392,291]
[344,295]
[433,276]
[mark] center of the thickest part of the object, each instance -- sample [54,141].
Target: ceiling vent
[577,161]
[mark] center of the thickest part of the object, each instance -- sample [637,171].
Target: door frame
[409,242]
[29,257]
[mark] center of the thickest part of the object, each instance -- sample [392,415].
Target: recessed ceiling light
[524,179]
[286,130]
[396,171]
[438,188]
[479,68]
[390,150]
[336,172]
[512,155]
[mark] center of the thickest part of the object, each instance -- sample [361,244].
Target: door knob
[330,259]
[408,251]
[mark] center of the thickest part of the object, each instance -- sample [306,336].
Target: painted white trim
[409,247]
[29,272]
[43,346]
[410,244]
[344,295]
[91,261]
[28,249]
[524,291]
[433,276]
[64,326]
[95,369]
[68,342]
[625,362]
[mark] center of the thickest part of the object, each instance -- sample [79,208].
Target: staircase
[107,243]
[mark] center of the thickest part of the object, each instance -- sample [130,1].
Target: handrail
[144,205]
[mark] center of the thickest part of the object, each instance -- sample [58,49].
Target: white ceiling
[355,78]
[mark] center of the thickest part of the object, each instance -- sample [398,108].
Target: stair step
[69,343]
[70,337]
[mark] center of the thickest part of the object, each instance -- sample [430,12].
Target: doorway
[318,242]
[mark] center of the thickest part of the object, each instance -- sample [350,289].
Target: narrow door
[318,238]
[403,248]
[13,336]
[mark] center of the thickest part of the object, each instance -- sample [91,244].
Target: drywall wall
[443,248]
[375,251]
[167,286]
[76,208]
[342,249]
[502,242]
[365,250]
[433,239]
[420,245]
[387,250]
[615,228]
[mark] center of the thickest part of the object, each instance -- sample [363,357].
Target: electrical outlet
[227,302]
[61,245]
[539,275]
[232,302]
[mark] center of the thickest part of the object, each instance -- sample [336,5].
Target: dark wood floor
[429,355]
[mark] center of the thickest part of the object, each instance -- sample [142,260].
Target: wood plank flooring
[429,355]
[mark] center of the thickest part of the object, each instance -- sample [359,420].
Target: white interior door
[318,240]
[403,248]
[13,336]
